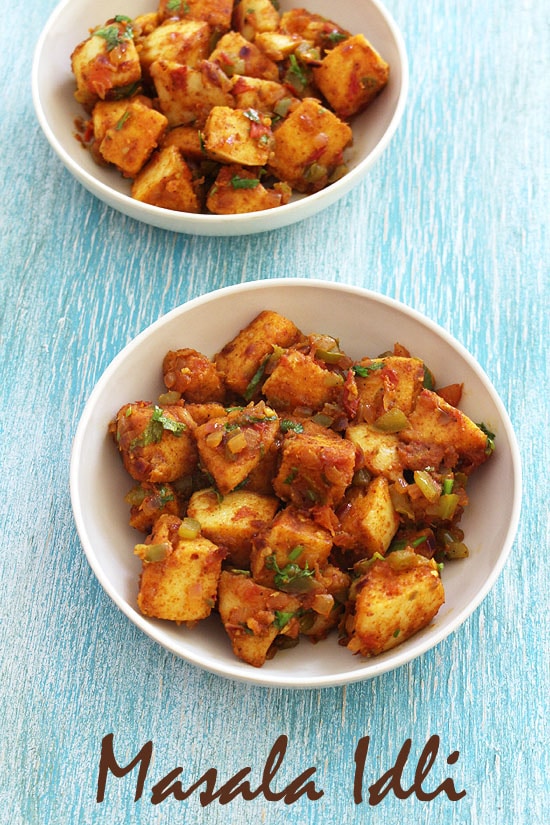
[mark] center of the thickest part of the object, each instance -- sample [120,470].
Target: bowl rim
[209,224]
[373,667]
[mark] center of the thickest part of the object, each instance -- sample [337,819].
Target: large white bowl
[366,323]
[56,109]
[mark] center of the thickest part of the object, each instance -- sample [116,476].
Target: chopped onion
[427,484]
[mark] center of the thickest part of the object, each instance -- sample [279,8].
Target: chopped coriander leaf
[291,578]
[113,35]
[243,484]
[246,628]
[155,428]
[110,34]
[336,37]
[490,439]
[170,424]
[150,435]
[295,426]
[364,372]
[429,380]
[125,91]
[165,496]
[296,75]
[177,5]
[361,567]
[256,379]
[401,544]
[122,120]
[244,183]
[246,419]
[282,618]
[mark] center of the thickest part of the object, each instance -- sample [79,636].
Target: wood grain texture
[452,220]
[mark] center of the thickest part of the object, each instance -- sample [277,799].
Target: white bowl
[56,109]
[366,323]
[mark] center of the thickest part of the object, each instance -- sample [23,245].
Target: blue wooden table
[452,220]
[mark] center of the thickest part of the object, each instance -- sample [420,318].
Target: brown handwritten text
[210,789]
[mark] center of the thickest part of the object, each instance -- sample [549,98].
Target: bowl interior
[57,110]
[366,324]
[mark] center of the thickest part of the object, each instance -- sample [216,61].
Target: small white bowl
[56,109]
[366,323]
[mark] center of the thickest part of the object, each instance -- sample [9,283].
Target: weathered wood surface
[452,220]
